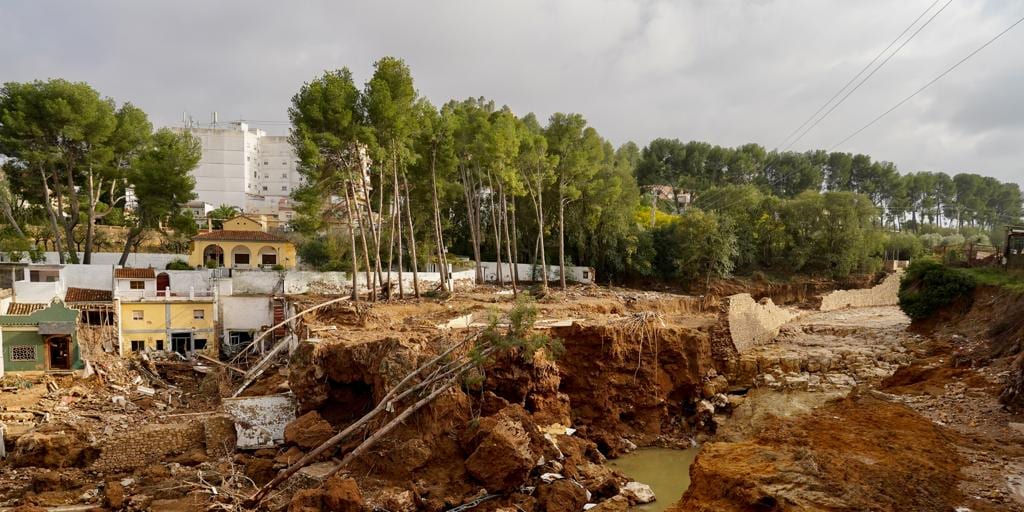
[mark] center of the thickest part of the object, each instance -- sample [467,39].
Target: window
[198,314]
[159,344]
[285,188]
[284,175]
[138,345]
[266,162]
[268,259]
[241,259]
[266,176]
[43,276]
[23,353]
[137,285]
[586,275]
[137,314]
[198,344]
[264,188]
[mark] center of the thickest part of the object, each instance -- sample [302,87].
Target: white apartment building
[245,168]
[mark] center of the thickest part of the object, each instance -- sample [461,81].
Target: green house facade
[40,339]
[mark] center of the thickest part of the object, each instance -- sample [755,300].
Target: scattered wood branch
[436,376]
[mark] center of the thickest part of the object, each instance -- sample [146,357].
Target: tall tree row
[73,158]
[395,185]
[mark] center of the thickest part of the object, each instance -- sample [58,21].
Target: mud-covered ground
[844,410]
[917,426]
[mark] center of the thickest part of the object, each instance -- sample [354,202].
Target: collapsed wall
[885,293]
[750,323]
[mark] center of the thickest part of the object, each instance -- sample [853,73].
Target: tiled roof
[227,235]
[134,273]
[88,295]
[17,308]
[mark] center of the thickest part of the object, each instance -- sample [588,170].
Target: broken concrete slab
[260,420]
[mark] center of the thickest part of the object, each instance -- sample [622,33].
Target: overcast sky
[726,72]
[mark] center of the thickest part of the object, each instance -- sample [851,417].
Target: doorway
[163,285]
[181,342]
[59,350]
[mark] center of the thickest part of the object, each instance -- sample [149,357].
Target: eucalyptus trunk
[412,240]
[438,233]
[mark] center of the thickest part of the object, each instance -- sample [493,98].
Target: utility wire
[872,73]
[855,77]
[900,103]
[925,86]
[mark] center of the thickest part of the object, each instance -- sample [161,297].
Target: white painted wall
[528,272]
[123,289]
[37,293]
[255,282]
[97,277]
[136,260]
[246,313]
[184,281]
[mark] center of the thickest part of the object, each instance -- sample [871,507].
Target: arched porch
[241,257]
[213,253]
[268,256]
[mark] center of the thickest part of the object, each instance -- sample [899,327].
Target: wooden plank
[226,365]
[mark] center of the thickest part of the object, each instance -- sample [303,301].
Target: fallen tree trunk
[385,404]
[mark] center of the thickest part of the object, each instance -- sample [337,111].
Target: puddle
[667,471]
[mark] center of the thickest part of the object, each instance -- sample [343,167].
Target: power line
[932,81]
[872,73]
[855,77]
[901,102]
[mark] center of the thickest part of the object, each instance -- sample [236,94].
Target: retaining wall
[885,293]
[753,323]
[148,444]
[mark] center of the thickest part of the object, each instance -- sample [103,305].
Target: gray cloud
[727,72]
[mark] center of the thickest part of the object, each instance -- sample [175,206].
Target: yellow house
[179,325]
[243,243]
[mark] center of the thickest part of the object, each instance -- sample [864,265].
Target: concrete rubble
[639,369]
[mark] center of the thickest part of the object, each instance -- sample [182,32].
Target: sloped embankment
[850,455]
[622,382]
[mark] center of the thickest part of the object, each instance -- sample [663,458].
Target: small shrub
[178,264]
[212,264]
[929,286]
[278,267]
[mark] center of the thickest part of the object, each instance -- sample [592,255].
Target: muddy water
[667,471]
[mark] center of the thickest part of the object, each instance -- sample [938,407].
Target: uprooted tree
[511,333]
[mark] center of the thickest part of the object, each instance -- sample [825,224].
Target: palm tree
[222,213]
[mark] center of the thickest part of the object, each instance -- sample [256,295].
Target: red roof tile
[88,295]
[134,273]
[17,308]
[228,235]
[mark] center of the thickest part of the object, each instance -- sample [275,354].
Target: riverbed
[666,470]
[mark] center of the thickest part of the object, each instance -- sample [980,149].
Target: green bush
[212,264]
[929,286]
[696,246]
[178,264]
[903,246]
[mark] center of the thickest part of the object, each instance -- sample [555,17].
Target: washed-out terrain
[793,397]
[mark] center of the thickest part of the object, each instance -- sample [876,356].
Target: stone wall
[885,293]
[753,323]
[148,444]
